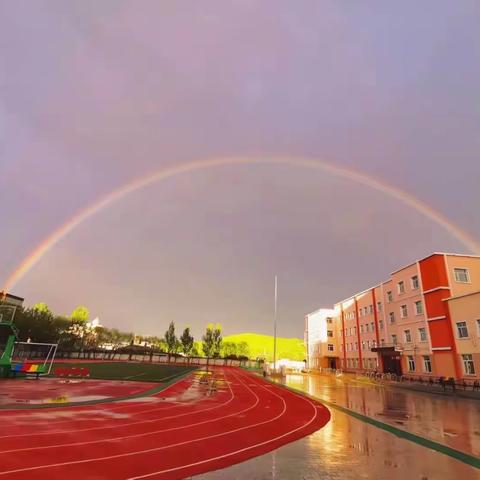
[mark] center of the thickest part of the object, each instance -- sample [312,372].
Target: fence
[150,357]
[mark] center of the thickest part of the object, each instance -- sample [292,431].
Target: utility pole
[275,331]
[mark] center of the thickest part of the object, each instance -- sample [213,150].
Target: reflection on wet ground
[347,448]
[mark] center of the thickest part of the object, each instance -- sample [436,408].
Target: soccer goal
[33,358]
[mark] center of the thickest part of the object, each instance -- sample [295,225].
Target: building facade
[423,321]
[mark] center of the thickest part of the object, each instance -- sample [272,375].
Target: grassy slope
[260,345]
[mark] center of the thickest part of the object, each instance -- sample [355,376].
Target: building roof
[476,292]
[9,295]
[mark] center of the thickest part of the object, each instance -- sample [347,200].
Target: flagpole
[275,330]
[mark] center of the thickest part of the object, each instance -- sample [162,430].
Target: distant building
[423,321]
[321,352]
[9,299]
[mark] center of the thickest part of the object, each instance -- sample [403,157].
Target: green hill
[262,346]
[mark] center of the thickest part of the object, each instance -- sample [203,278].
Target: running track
[177,433]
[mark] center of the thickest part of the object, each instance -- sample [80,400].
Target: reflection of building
[319,339]
[424,320]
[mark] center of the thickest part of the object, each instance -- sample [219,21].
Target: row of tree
[76,333]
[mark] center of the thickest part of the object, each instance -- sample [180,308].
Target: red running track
[178,433]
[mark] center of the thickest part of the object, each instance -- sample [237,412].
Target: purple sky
[96,93]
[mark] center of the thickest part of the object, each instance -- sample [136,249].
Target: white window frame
[468,361]
[379,306]
[407,334]
[427,359]
[402,308]
[420,334]
[410,362]
[380,324]
[401,287]
[414,282]
[467,274]
[389,296]
[391,317]
[330,349]
[464,326]
[417,303]
[394,339]
[478,326]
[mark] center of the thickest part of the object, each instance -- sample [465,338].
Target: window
[401,287]
[427,364]
[478,327]
[461,275]
[462,330]
[370,309]
[356,346]
[422,333]
[329,333]
[403,311]
[382,341]
[363,345]
[379,306]
[366,328]
[389,296]
[380,324]
[361,328]
[419,308]
[360,312]
[411,364]
[368,344]
[394,339]
[330,347]
[391,316]
[408,336]
[329,320]
[414,282]
[468,364]
[372,326]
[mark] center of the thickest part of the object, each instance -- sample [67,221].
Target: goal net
[33,358]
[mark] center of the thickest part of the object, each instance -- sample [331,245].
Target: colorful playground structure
[14,358]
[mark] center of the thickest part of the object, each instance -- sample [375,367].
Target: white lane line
[114,439]
[219,457]
[139,422]
[156,449]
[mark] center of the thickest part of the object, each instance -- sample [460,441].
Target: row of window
[367,363]
[414,284]
[467,361]
[407,336]
[417,306]
[461,275]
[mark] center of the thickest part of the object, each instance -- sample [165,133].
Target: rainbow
[167,172]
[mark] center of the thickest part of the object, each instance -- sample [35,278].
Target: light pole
[275,330]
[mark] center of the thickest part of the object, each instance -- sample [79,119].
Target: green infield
[141,372]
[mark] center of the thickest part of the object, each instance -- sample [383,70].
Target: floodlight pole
[275,330]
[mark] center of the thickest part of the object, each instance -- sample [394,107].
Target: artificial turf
[140,372]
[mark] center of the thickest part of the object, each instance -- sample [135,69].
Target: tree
[217,340]
[229,349]
[187,342]
[171,340]
[243,349]
[207,341]
[80,314]
[42,307]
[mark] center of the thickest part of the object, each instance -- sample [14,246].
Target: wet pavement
[349,448]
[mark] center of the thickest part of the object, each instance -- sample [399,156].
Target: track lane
[229,440]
